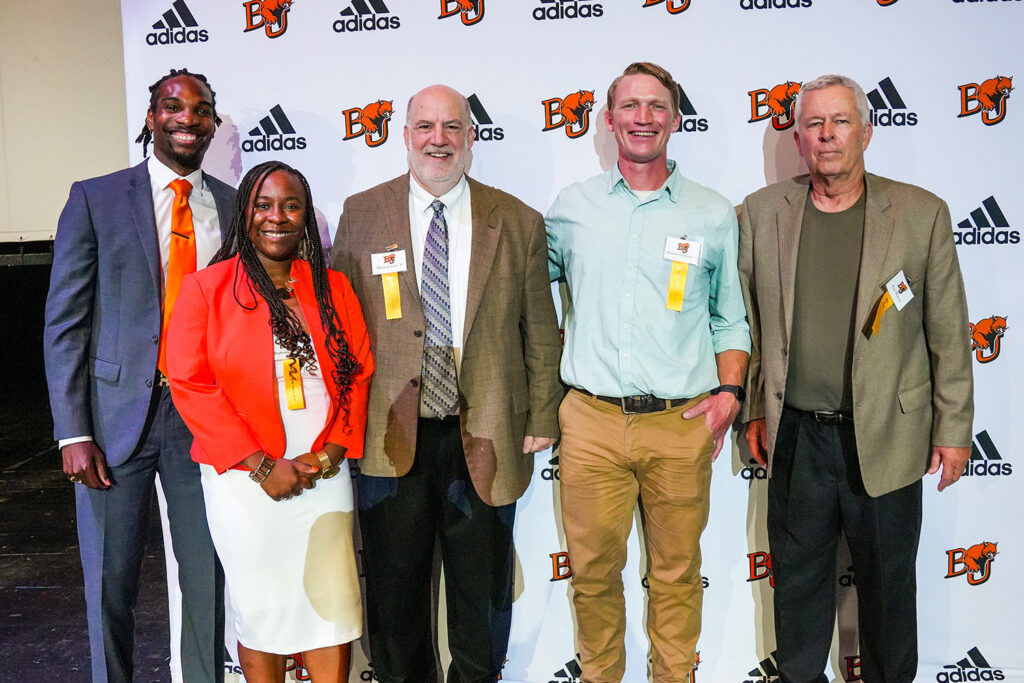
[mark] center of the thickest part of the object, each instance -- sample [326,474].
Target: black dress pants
[815,493]
[400,519]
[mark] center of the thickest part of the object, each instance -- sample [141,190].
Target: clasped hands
[290,477]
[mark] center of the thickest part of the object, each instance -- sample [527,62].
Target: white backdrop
[301,86]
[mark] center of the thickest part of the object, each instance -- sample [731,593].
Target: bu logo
[975,561]
[470,11]
[271,15]
[572,111]
[673,6]
[560,567]
[776,103]
[986,337]
[989,98]
[761,567]
[884,3]
[370,121]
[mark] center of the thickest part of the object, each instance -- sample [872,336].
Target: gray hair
[822,82]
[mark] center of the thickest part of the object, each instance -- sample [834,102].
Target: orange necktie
[181,257]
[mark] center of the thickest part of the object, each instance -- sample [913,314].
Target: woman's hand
[289,478]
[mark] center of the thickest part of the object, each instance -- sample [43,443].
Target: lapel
[788,221]
[225,205]
[141,198]
[878,227]
[486,232]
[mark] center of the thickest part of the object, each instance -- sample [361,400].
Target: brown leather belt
[641,403]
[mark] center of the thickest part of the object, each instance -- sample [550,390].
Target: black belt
[641,403]
[825,416]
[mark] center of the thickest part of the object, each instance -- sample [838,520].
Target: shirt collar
[160,176]
[673,185]
[422,199]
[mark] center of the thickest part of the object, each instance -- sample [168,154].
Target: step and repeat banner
[323,85]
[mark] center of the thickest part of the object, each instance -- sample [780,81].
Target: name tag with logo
[899,289]
[388,262]
[684,250]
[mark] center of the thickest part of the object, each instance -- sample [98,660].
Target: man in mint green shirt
[656,346]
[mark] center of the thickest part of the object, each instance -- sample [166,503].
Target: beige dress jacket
[508,376]
[912,384]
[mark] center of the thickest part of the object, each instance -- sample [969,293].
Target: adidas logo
[885,99]
[567,9]
[973,667]
[764,672]
[690,125]
[177,26]
[982,230]
[268,137]
[774,4]
[550,473]
[483,126]
[365,15]
[570,673]
[985,459]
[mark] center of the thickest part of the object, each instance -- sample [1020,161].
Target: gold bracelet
[327,470]
[259,474]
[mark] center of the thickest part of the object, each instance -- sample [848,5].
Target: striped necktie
[181,258]
[440,384]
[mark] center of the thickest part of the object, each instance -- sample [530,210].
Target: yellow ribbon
[291,369]
[884,304]
[676,286]
[392,296]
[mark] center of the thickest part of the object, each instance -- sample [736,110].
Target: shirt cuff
[75,439]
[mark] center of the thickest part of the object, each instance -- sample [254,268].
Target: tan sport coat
[912,384]
[508,377]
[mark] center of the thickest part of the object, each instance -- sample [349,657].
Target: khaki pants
[609,460]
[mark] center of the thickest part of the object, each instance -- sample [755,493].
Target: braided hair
[284,323]
[154,90]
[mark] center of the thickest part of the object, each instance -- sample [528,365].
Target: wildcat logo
[975,561]
[572,112]
[561,569]
[470,11]
[271,15]
[673,6]
[370,121]
[777,103]
[761,567]
[989,98]
[986,337]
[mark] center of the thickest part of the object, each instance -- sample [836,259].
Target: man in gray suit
[859,382]
[113,417]
[452,277]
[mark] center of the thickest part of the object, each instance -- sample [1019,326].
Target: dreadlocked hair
[284,323]
[147,135]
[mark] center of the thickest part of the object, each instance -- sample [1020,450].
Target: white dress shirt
[459,217]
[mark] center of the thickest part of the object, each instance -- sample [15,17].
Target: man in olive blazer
[455,477]
[859,382]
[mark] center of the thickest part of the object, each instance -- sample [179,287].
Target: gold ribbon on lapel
[883,305]
[291,370]
[392,296]
[676,286]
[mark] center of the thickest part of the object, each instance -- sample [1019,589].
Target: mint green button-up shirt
[620,339]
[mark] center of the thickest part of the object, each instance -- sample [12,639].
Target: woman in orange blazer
[269,365]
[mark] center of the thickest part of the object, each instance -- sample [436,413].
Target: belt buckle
[830,416]
[642,403]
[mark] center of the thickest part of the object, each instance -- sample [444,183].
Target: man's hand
[953,461]
[757,441]
[719,411]
[86,461]
[535,444]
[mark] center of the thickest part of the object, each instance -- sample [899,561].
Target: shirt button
[414,382]
[149,383]
[418,333]
[156,339]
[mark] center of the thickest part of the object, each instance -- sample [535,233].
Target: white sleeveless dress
[289,565]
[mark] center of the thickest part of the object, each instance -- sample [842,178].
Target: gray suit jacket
[102,328]
[912,384]
[508,378]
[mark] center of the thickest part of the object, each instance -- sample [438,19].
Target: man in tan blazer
[452,276]
[859,382]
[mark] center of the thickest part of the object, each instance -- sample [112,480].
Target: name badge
[899,289]
[388,262]
[684,250]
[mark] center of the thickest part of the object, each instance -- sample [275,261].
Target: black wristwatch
[735,390]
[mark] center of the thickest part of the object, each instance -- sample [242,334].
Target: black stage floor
[43,635]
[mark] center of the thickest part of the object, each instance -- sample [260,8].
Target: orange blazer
[221,370]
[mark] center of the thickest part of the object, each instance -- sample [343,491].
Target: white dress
[289,565]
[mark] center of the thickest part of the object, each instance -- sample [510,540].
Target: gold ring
[74,479]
